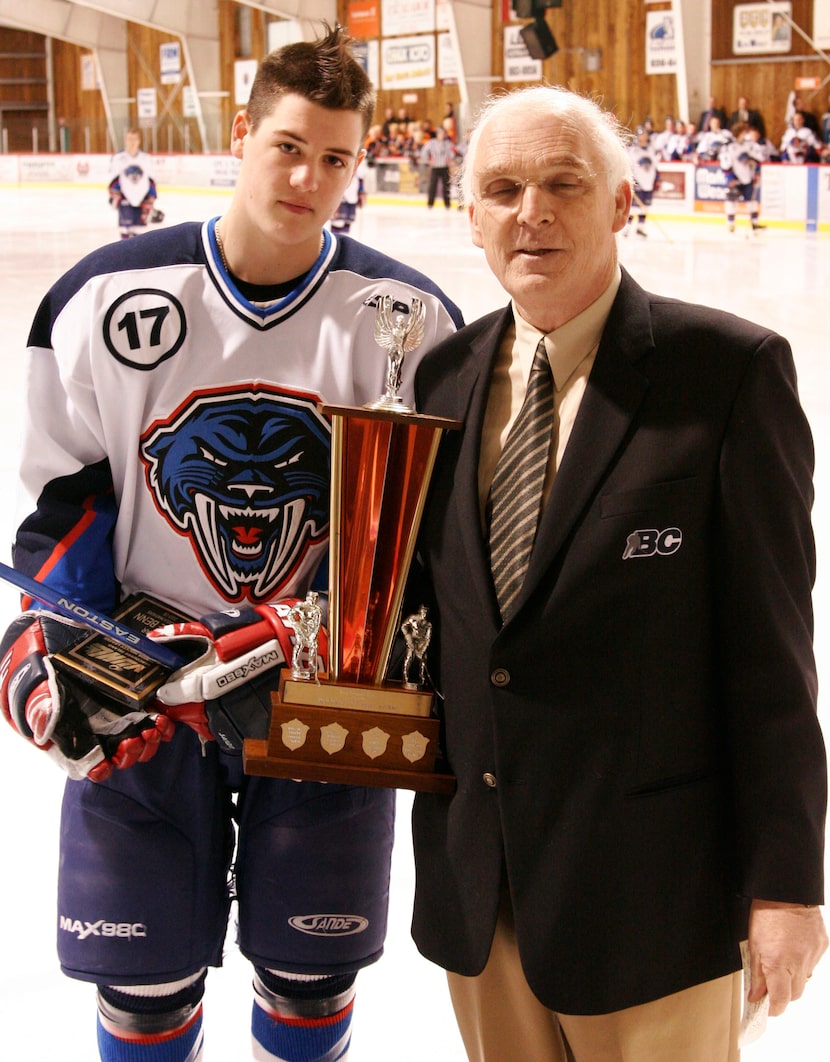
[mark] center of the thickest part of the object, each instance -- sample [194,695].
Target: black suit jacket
[753,120]
[703,121]
[637,748]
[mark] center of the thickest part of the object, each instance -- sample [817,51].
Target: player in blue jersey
[173,446]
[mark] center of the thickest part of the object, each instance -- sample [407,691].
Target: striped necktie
[516,492]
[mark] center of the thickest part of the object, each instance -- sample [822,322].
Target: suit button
[500,676]
[489,779]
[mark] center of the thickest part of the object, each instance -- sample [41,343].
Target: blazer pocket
[646,499]
[665,785]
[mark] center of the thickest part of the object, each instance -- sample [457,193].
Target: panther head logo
[245,475]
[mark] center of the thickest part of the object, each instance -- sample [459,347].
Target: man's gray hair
[601,127]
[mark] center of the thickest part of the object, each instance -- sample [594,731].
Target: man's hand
[87,736]
[786,941]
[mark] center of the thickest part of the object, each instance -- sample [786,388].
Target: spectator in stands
[712,111]
[449,123]
[825,125]
[685,148]
[661,141]
[397,135]
[744,113]
[799,144]
[410,141]
[796,103]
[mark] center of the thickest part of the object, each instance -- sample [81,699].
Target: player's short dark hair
[324,71]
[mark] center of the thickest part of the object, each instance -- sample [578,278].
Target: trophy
[357,724]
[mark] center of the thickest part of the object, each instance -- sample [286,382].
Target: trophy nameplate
[112,669]
[354,724]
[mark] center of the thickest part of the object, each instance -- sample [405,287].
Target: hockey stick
[636,199]
[96,621]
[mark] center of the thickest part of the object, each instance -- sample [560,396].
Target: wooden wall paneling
[424,104]
[231,48]
[170,131]
[80,113]
[23,90]
[613,29]
[766,81]
[229,51]
[617,29]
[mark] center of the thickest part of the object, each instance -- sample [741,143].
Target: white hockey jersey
[173,442]
[134,174]
[741,159]
[644,160]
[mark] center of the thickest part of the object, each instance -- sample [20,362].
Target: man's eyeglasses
[506,193]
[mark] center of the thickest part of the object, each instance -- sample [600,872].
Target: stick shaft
[96,621]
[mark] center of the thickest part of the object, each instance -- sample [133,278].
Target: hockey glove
[224,692]
[115,195]
[87,736]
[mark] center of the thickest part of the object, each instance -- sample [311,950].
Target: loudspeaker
[538,39]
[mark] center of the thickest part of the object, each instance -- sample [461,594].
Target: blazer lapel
[615,390]
[473,382]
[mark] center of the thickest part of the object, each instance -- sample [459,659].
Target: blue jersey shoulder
[177,245]
[366,261]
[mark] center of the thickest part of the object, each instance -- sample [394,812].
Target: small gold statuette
[398,334]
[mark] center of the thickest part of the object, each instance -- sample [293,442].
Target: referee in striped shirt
[437,153]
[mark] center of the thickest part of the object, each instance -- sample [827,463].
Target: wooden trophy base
[357,735]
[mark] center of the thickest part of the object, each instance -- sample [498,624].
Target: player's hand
[229,653]
[786,941]
[88,737]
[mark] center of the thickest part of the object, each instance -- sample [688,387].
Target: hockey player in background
[174,446]
[644,159]
[132,188]
[353,198]
[740,159]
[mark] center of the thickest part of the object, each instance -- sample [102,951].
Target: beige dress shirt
[571,350]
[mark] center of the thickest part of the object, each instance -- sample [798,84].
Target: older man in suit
[712,111]
[631,712]
[748,116]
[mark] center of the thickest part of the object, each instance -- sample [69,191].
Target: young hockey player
[353,198]
[132,189]
[644,159]
[174,447]
[740,159]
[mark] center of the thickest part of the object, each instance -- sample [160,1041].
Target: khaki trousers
[500,1019]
